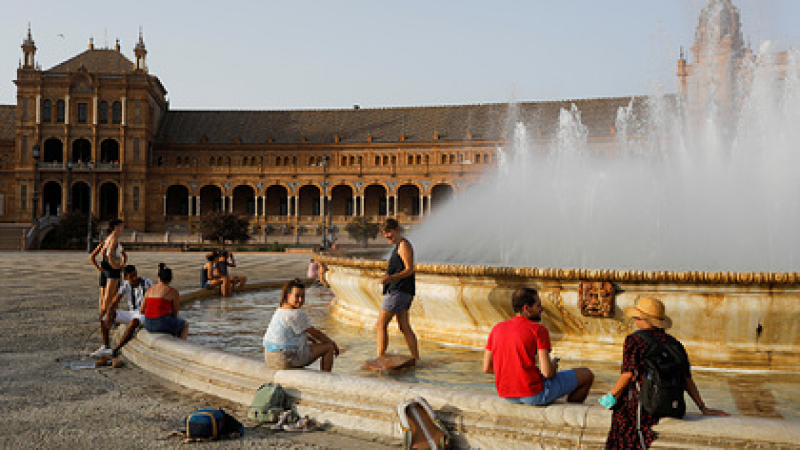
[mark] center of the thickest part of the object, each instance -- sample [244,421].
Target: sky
[318,54]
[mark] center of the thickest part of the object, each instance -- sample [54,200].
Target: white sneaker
[104,350]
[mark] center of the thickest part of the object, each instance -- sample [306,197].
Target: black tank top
[396,265]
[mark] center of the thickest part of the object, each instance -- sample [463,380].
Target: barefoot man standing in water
[398,290]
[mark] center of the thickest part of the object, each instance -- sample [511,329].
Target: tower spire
[140,51]
[28,50]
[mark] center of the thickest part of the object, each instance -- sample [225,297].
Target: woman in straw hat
[649,316]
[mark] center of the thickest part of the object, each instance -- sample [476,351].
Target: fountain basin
[744,321]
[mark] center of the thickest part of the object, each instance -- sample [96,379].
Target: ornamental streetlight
[36,155]
[325,206]
[89,215]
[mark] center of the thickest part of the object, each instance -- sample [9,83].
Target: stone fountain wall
[725,320]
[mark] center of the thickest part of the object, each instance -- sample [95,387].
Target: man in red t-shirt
[513,350]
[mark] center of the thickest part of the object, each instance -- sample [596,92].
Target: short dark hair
[287,288]
[129,269]
[523,297]
[212,256]
[164,273]
[390,224]
[113,223]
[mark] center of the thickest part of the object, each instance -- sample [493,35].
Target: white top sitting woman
[290,340]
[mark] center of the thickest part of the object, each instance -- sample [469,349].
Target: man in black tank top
[399,288]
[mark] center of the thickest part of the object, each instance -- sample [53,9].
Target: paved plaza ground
[48,317]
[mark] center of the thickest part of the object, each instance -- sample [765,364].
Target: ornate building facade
[96,134]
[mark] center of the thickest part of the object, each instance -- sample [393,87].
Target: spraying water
[710,187]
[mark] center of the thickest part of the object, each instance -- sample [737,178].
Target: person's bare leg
[105,327]
[185,332]
[129,332]
[585,380]
[404,324]
[324,350]
[381,329]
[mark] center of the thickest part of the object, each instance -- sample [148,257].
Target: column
[39,110]
[429,203]
[394,205]
[191,205]
[197,205]
[94,111]
[361,205]
[230,204]
[322,206]
[165,204]
[124,110]
[421,205]
[66,110]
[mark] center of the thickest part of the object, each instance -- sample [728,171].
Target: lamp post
[36,155]
[324,164]
[89,215]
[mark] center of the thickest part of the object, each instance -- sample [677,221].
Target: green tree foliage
[362,230]
[221,227]
[69,232]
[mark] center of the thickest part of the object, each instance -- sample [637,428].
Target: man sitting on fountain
[513,349]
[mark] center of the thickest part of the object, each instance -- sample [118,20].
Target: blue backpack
[209,424]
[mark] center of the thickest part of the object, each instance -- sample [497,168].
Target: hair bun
[162,266]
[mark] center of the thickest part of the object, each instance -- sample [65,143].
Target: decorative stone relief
[596,298]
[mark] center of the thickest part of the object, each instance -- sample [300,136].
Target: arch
[277,200]
[440,194]
[51,199]
[410,159]
[419,159]
[408,200]
[109,201]
[81,150]
[53,151]
[312,161]
[377,160]
[452,158]
[308,200]
[477,158]
[210,199]
[109,151]
[81,197]
[103,112]
[341,203]
[244,200]
[212,161]
[375,200]
[116,113]
[177,200]
[47,111]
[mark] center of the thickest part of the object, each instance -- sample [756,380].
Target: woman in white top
[290,340]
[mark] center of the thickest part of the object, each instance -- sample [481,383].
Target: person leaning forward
[513,350]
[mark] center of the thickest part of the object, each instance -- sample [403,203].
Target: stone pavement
[48,317]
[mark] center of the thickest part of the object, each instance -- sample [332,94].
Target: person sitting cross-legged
[515,347]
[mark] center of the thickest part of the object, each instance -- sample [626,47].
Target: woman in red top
[161,305]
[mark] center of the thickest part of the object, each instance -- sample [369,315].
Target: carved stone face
[596,299]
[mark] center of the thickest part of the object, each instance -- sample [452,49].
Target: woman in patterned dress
[649,315]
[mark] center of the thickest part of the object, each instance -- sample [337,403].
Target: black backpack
[663,377]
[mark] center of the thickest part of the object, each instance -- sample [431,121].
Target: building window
[103,113]
[116,113]
[23,197]
[410,159]
[344,160]
[136,198]
[160,161]
[83,112]
[135,149]
[60,108]
[47,111]
[478,158]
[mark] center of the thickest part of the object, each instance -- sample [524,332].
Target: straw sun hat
[651,310]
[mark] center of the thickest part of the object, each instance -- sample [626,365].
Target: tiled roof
[7,122]
[414,124]
[105,61]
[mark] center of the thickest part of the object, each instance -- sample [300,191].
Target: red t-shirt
[514,344]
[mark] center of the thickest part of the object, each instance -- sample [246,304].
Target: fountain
[696,205]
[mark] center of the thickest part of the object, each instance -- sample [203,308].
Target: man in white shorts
[133,288]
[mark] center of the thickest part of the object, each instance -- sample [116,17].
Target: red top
[514,344]
[156,307]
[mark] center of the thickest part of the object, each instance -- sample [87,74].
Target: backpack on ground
[420,426]
[209,424]
[268,403]
[663,378]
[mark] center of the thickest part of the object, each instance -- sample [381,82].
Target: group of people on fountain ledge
[518,353]
[153,305]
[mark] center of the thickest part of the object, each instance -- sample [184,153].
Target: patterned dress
[623,434]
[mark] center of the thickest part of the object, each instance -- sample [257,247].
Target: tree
[362,229]
[221,227]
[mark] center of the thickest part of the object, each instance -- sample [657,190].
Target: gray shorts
[288,358]
[396,301]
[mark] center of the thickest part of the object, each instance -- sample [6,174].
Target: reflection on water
[238,324]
